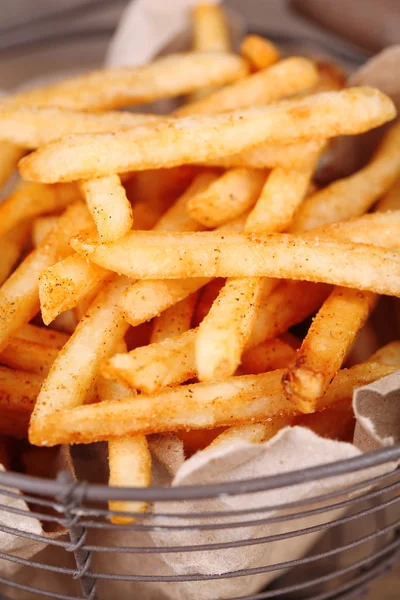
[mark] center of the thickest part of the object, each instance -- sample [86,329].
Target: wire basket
[344,570]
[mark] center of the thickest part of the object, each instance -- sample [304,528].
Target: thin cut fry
[354,195]
[201,138]
[267,356]
[28,356]
[166,77]
[33,199]
[110,208]
[195,406]
[325,346]
[42,335]
[141,255]
[286,78]
[260,52]
[19,295]
[255,433]
[11,246]
[41,227]
[175,320]
[228,197]
[9,157]
[210,29]
[74,371]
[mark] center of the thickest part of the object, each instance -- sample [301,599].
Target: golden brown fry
[42,335]
[228,197]
[11,246]
[255,433]
[28,356]
[41,227]
[166,77]
[151,368]
[210,29]
[33,199]
[201,138]
[19,295]
[286,78]
[9,157]
[109,206]
[175,320]
[260,52]
[224,331]
[267,356]
[74,371]
[378,229]
[195,406]
[325,346]
[63,285]
[141,255]
[354,195]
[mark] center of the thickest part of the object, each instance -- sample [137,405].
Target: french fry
[255,433]
[391,200]
[201,138]
[286,78]
[210,29]
[28,356]
[141,255]
[207,296]
[260,52]
[109,206]
[175,320]
[9,157]
[325,346]
[74,371]
[166,77]
[354,195]
[34,126]
[267,356]
[11,246]
[365,229]
[151,368]
[42,335]
[41,227]
[19,295]
[32,199]
[387,355]
[228,197]
[224,331]
[195,406]
[18,390]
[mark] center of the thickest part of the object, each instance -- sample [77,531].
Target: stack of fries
[206,224]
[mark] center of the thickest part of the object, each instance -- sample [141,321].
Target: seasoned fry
[255,433]
[11,246]
[166,77]
[224,331]
[175,320]
[63,285]
[325,346]
[204,137]
[267,356]
[33,199]
[228,197]
[109,206]
[210,29]
[151,368]
[286,78]
[74,371]
[41,227]
[19,295]
[354,195]
[141,255]
[260,52]
[42,335]
[28,356]
[196,406]
[9,157]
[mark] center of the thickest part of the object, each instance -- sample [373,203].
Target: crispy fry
[228,197]
[166,77]
[354,195]
[325,346]
[151,368]
[141,255]
[260,52]
[255,433]
[41,227]
[210,29]
[19,295]
[74,371]
[109,206]
[9,157]
[175,320]
[196,406]
[42,335]
[286,78]
[33,199]
[11,246]
[28,356]
[224,331]
[204,137]
[267,356]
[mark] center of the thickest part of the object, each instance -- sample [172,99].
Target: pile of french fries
[178,251]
